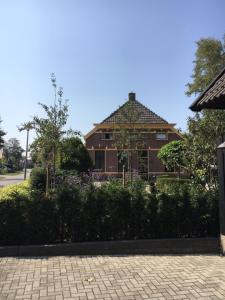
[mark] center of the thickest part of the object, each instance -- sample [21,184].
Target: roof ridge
[115,111]
[148,117]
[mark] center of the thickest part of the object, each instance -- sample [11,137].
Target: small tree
[49,132]
[127,136]
[172,156]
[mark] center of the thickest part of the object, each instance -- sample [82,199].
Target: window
[161,136]
[100,161]
[107,136]
[122,161]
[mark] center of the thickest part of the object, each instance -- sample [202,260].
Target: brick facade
[100,142]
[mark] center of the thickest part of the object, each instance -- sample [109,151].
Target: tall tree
[209,61]
[2,134]
[12,153]
[205,127]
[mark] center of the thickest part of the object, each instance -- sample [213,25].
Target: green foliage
[14,191]
[3,169]
[38,179]
[168,185]
[13,203]
[2,133]
[172,155]
[41,220]
[206,127]
[209,61]
[12,153]
[13,229]
[49,131]
[111,212]
[201,142]
[68,200]
[74,155]
[127,136]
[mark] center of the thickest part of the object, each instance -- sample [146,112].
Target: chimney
[131,96]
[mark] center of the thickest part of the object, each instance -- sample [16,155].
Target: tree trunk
[47,180]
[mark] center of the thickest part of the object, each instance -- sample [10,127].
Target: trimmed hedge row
[169,184]
[110,212]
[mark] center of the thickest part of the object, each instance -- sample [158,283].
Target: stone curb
[127,247]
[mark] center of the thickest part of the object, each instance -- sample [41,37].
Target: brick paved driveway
[113,277]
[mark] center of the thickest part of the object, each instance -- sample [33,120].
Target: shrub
[77,211]
[13,227]
[118,210]
[15,191]
[68,201]
[170,185]
[139,213]
[95,214]
[41,219]
[38,179]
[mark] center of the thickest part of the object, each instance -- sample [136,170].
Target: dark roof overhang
[213,96]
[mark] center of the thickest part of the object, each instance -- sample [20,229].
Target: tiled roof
[214,95]
[135,111]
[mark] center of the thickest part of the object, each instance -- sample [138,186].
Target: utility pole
[25,164]
[26,126]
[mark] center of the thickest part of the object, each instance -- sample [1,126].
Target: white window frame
[161,133]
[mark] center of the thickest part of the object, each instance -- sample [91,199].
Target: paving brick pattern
[113,277]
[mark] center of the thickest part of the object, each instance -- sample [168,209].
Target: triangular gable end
[144,114]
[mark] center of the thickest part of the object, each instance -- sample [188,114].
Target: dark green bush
[139,213]
[169,185]
[38,179]
[41,219]
[68,201]
[13,225]
[75,212]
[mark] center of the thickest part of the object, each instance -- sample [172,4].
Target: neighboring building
[103,148]
[213,97]
[1,153]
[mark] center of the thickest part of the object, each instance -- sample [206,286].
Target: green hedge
[110,212]
[170,185]
[15,191]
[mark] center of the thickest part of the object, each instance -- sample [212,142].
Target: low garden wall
[153,246]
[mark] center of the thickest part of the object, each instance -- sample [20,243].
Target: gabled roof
[133,109]
[214,95]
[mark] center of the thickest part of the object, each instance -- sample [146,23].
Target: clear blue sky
[100,50]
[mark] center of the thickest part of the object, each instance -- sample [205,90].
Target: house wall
[96,142]
[155,165]
[111,161]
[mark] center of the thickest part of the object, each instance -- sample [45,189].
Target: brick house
[102,145]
